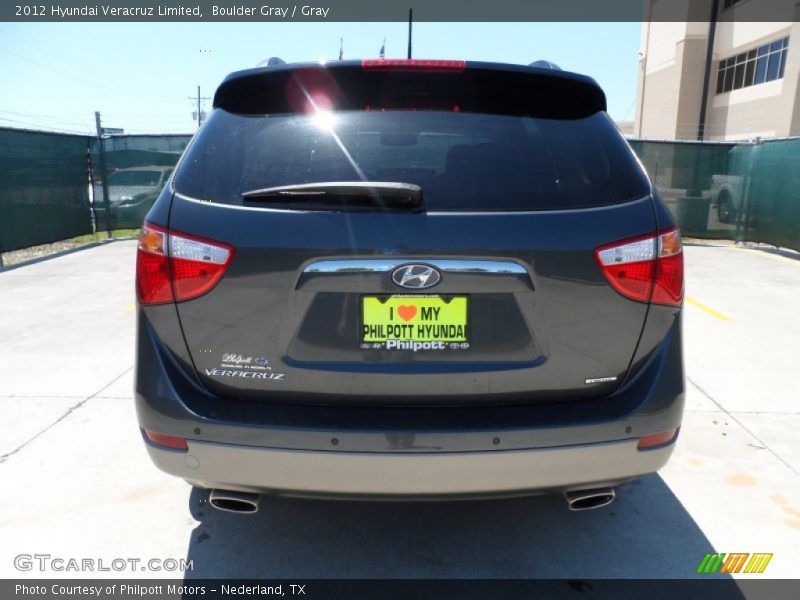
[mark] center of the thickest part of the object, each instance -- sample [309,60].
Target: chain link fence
[57,186]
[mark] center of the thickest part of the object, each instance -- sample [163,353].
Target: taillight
[647,268]
[412,64]
[197,264]
[153,285]
[668,283]
[173,266]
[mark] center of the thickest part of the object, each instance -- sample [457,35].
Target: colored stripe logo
[737,562]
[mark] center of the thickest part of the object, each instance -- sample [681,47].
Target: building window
[765,63]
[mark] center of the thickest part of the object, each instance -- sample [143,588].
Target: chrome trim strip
[430,213]
[446,265]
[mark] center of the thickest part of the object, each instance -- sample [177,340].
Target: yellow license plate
[414,322]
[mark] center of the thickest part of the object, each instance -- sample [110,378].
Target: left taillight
[174,266]
[647,268]
[153,282]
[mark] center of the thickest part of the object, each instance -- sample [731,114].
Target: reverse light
[174,266]
[647,268]
[657,440]
[167,441]
[412,64]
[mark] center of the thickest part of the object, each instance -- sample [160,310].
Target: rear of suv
[409,279]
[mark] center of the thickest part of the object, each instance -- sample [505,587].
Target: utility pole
[101,159]
[199,114]
[410,21]
[712,31]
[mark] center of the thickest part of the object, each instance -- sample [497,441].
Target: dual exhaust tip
[245,503]
[241,503]
[589,499]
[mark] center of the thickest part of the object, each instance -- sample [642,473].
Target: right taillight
[174,266]
[647,268]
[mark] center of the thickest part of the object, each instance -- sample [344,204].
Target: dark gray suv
[409,279]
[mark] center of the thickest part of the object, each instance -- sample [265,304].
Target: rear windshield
[462,161]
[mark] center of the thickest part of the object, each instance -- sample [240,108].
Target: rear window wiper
[342,195]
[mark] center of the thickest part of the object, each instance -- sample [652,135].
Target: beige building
[720,79]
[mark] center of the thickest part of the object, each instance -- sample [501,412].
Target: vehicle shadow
[646,533]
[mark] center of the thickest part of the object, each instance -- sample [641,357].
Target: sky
[140,76]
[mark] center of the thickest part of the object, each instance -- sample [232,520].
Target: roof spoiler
[474,87]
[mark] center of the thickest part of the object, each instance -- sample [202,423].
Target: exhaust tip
[241,503]
[589,499]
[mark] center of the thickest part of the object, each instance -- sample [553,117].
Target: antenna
[410,21]
[272,61]
[545,64]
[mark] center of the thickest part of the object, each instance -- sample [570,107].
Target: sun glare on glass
[324,120]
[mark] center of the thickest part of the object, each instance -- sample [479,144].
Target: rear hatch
[462,272]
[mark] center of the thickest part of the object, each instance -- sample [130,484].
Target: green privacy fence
[742,192]
[44,194]
[134,169]
[55,186]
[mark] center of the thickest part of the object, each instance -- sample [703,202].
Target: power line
[129,121]
[70,76]
[44,118]
[88,68]
[47,68]
[38,127]
[60,115]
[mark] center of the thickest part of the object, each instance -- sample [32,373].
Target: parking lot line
[707,309]
[772,255]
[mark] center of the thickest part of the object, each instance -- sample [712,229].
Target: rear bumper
[421,474]
[390,452]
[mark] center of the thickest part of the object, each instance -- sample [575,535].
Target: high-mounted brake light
[173,266]
[412,64]
[647,268]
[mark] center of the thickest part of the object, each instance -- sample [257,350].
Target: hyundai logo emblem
[416,277]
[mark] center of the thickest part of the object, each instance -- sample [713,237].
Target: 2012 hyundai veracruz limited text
[409,279]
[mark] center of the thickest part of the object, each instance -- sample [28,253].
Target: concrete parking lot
[76,481]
